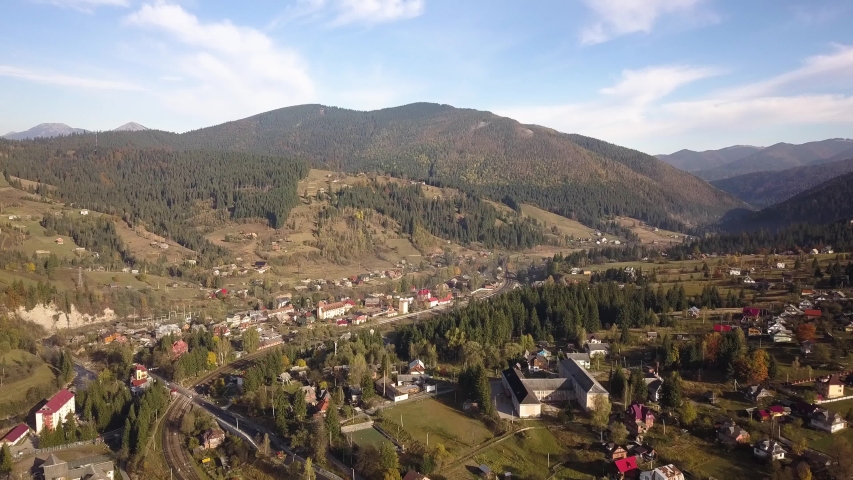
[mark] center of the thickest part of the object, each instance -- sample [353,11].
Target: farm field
[458,432]
[566,226]
[647,234]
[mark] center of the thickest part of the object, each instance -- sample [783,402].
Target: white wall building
[55,411]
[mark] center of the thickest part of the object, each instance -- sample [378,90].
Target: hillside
[691,161]
[780,157]
[763,189]
[477,152]
[826,203]
[474,151]
[44,130]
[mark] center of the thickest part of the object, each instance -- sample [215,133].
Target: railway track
[176,453]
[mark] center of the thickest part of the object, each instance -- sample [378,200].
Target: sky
[655,75]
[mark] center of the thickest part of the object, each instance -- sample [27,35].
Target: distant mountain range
[826,203]
[691,161]
[762,189]
[50,130]
[776,157]
[475,151]
[44,130]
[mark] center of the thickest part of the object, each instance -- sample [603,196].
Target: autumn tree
[601,411]
[806,331]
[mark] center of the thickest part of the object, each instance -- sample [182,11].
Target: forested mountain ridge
[477,152]
[781,156]
[691,161]
[828,202]
[763,189]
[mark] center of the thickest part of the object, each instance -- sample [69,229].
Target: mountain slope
[763,189]
[828,202]
[479,152]
[779,157]
[130,127]
[692,161]
[45,130]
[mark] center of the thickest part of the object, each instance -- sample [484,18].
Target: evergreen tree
[671,391]
[5,460]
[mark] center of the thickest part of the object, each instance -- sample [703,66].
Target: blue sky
[657,75]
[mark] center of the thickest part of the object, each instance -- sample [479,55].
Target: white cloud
[635,110]
[86,5]
[63,80]
[337,13]
[620,17]
[227,70]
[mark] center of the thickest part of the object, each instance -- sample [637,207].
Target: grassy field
[366,437]
[444,424]
[566,226]
[41,374]
[525,454]
[648,234]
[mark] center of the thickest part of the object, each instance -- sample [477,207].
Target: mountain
[826,203]
[779,157]
[130,127]
[692,161]
[45,130]
[763,189]
[474,151]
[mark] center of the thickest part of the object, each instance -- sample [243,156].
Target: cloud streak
[339,13]
[63,80]
[614,18]
[636,110]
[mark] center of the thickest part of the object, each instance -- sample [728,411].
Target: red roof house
[179,348]
[627,467]
[423,295]
[15,435]
[722,328]
[813,313]
[751,312]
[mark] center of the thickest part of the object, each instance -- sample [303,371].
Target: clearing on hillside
[567,227]
[24,371]
[649,234]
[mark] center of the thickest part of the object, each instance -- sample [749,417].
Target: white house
[666,472]
[780,265]
[748,279]
[54,412]
[84,212]
[598,349]
[768,449]
[735,272]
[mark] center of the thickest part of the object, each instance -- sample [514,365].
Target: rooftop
[57,401]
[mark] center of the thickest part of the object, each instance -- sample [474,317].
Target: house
[614,451]
[735,272]
[693,312]
[823,419]
[417,367]
[756,393]
[722,328]
[592,338]
[284,378]
[581,358]
[84,212]
[310,395]
[55,411]
[598,349]
[413,475]
[139,379]
[424,295]
[60,241]
[639,418]
[666,472]
[212,438]
[782,337]
[753,332]
[385,387]
[806,347]
[768,449]
[93,468]
[524,401]
[813,313]
[780,265]
[748,280]
[16,435]
[536,362]
[655,386]
[179,348]
[625,468]
[732,434]
[829,387]
[751,313]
